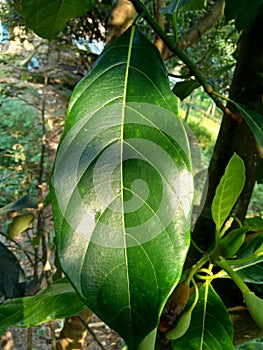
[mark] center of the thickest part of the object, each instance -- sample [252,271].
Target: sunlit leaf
[48,18]
[211,327]
[59,300]
[19,224]
[228,190]
[122,188]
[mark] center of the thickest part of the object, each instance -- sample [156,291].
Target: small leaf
[19,224]
[251,272]
[230,244]
[174,7]
[211,327]
[254,224]
[59,300]
[228,190]
[22,203]
[48,18]
[183,89]
[254,344]
[182,5]
[254,120]
[12,276]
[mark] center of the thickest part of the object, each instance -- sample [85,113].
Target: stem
[173,47]
[247,259]
[195,268]
[238,281]
[148,342]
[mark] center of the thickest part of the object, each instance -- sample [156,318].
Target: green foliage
[57,301]
[20,147]
[120,248]
[48,19]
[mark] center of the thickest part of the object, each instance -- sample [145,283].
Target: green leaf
[22,203]
[251,272]
[211,327]
[48,18]
[254,224]
[12,276]
[254,120]
[122,188]
[183,89]
[228,190]
[183,5]
[254,344]
[19,224]
[59,300]
[243,11]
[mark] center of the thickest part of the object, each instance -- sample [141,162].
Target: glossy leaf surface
[48,18]
[228,190]
[122,188]
[59,300]
[211,327]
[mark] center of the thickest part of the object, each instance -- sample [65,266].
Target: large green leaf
[59,300]
[122,188]
[211,327]
[228,190]
[48,18]
[254,120]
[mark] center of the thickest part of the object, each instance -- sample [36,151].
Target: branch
[189,37]
[173,47]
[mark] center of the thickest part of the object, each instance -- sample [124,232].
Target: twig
[91,332]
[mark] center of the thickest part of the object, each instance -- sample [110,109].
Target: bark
[189,37]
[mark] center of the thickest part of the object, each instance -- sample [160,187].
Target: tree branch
[189,37]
